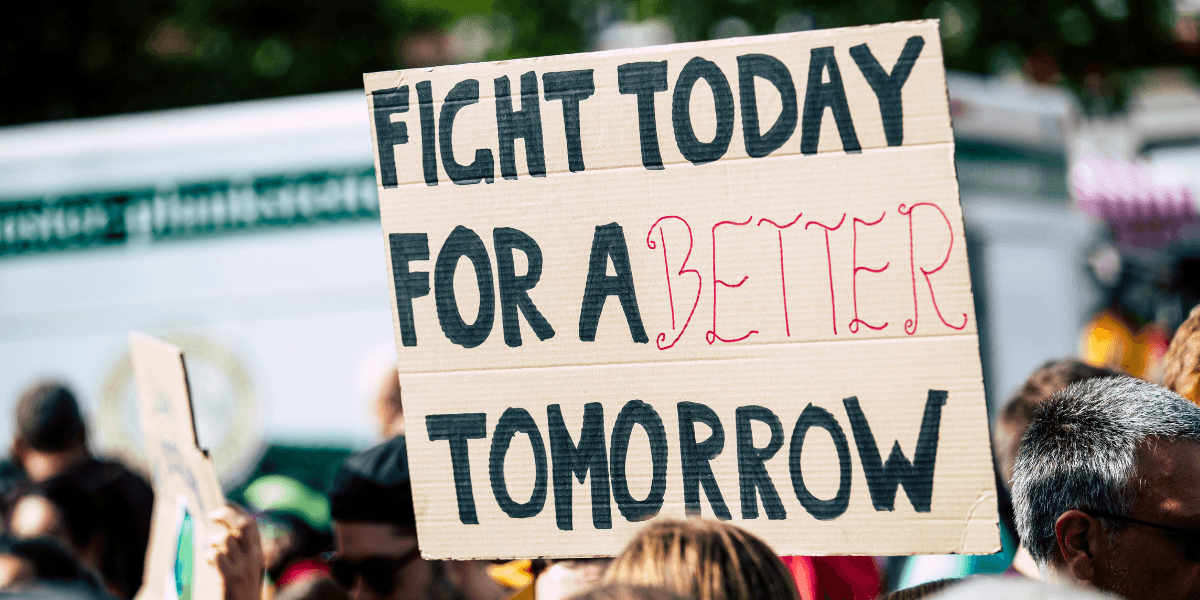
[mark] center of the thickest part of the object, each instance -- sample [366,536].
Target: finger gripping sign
[724,279]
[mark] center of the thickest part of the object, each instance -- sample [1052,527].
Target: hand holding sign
[235,549]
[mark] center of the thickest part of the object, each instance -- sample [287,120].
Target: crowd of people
[1098,475]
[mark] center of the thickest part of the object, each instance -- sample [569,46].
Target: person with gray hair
[1106,489]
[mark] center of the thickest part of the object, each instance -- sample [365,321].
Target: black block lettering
[514,290]
[464,242]
[681,111]
[917,476]
[695,458]
[752,470]
[525,124]
[512,422]
[465,93]
[887,87]
[428,132]
[773,70]
[821,95]
[457,429]
[644,79]
[388,134]
[572,87]
[822,510]
[609,241]
[636,412]
[570,459]
[407,247]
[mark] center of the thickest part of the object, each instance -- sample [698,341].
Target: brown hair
[1052,377]
[48,418]
[626,591]
[704,560]
[1181,373]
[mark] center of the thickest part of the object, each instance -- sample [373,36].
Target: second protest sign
[724,279]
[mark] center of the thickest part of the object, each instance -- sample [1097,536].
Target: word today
[643,80]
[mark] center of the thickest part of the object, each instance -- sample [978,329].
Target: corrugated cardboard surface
[838,274]
[184,478]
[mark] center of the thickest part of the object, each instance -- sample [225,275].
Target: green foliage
[114,56]
[542,28]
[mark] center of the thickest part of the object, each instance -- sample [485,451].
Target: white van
[249,235]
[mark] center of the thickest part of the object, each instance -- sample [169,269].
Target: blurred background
[201,170]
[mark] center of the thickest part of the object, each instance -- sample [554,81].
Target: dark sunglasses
[1192,538]
[378,572]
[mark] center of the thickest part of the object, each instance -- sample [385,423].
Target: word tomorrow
[604,459]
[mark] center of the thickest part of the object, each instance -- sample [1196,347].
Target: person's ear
[1078,535]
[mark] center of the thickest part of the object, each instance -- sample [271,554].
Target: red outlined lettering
[782,276]
[829,259]
[682,269]
[854,277]
[711,335]
[910,325]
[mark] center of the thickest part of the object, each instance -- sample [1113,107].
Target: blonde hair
[1182,362]
[626,591]
[703,560]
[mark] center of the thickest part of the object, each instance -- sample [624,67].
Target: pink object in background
[1145,205]
[836,577]
[302,570]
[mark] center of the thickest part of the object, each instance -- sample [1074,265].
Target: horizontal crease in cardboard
[684,163]
[714,359]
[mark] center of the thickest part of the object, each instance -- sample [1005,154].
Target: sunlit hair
[703,560]
[625,591]
[1181,365]
[1081,452]
[1045,381]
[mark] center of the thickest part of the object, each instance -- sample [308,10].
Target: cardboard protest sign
[186,487]
[724,279]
